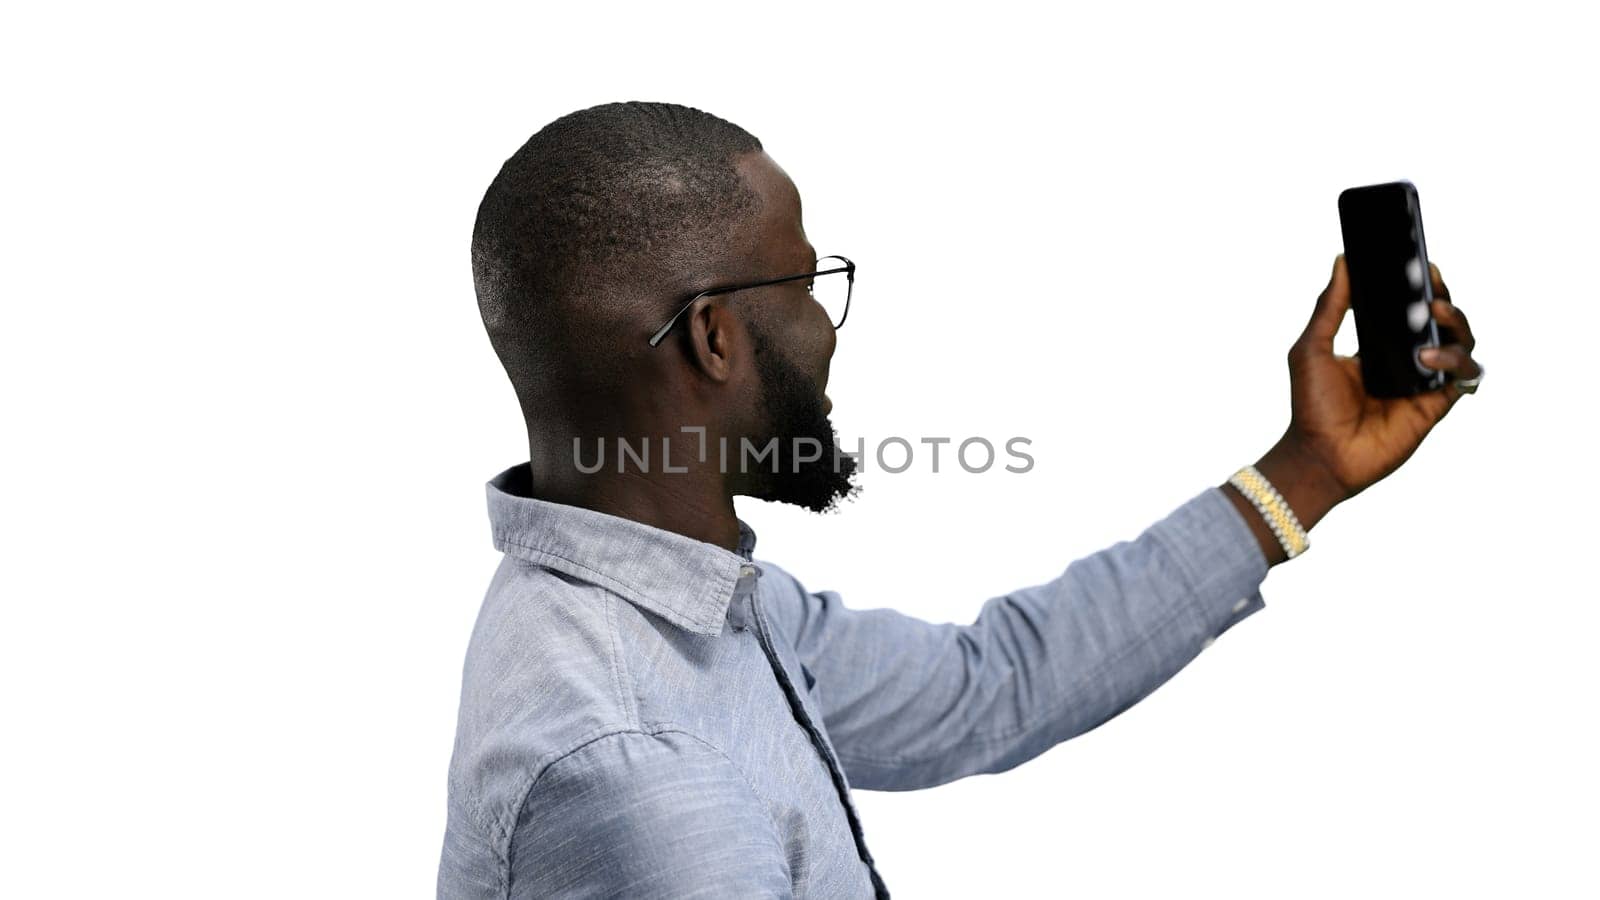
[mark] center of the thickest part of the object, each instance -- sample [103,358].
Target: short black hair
[587,212]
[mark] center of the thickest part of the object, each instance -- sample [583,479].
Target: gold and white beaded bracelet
[1273,508]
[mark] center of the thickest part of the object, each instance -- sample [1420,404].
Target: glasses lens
[832,290]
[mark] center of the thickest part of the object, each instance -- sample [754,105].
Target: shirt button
[1208,642]
[1239,607]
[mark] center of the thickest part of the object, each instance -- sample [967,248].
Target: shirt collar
[689,583]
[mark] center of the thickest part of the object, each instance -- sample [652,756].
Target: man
[646,711]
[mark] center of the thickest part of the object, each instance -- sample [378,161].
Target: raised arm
[911,704]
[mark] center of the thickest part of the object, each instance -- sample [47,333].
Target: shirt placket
[748,611]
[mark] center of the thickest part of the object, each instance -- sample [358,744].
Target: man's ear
[714,332]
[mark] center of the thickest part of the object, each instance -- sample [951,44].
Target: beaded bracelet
[1273,508]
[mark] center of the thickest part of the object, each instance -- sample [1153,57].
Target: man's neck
[694,503]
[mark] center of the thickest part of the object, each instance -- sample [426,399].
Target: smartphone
[1391,289]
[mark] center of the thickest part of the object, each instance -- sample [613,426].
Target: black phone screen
[1391,292]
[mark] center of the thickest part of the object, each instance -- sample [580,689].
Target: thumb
[1331,307]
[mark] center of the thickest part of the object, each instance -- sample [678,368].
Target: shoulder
[643,767]
[540,677]
[642,810]
[543,643]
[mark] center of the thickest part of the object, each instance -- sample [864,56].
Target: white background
[250,408]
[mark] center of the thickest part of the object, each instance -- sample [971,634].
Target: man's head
[594,233]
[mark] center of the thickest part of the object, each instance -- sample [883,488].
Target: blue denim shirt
[647,715]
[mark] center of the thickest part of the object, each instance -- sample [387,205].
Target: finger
[1452,359]
[1331,307]
[1440,290]
[1453,322]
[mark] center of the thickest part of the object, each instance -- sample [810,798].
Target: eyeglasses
[834,300]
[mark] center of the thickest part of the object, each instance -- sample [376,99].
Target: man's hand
[1340,440]
[1359,438]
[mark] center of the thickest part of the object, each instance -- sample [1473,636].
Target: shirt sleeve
[645,815]
[910,704]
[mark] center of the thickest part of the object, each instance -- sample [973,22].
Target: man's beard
[794,409]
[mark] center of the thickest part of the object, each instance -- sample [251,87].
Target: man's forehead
[781,231]
[763,173]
